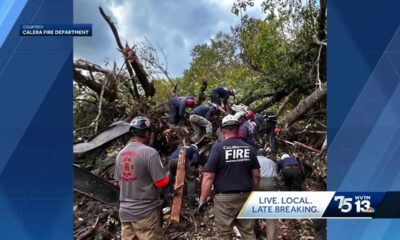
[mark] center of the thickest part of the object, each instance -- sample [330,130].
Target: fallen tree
[304,106]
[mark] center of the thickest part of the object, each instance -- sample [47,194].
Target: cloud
[177,26]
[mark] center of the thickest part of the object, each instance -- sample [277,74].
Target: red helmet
[250,115]
[190,102]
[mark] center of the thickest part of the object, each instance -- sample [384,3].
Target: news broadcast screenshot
[199,120]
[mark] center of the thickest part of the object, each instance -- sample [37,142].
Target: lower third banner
[262,205]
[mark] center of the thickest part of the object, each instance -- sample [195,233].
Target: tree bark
[286,100]
[132,62]
[85,65]
[276,98]
[94,86]
[251,98]
[304,106]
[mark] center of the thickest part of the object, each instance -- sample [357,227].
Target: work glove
[202,206]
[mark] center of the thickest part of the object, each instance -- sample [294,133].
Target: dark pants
[271,137]
[189,175]
[215,99]
[320,229]
[173,113]
[293,178]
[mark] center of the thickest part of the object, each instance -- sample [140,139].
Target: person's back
[137,171]
[140,173]
[288,162]
[177,105]
[247,133]
[291,171]
[268,168]
[202,110]
[232,161]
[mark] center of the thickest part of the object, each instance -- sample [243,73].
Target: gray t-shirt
[137,168]
[268,168]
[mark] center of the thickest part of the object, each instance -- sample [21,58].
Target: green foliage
[259,55]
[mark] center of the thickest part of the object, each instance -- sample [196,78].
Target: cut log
[180,180]
[304,106]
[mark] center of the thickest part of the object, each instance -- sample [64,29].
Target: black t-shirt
[232,160]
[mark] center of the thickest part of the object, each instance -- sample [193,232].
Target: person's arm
[157,172]
[222,109]
[256,178]
[255,172]
[162,182]
[208,179]
[116,172]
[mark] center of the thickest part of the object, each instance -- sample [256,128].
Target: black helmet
[140,123]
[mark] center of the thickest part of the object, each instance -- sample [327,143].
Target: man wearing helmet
[177,107]
[220,96]
[247,130]
[233,169]
[140,175]
[291,171]
[191,164]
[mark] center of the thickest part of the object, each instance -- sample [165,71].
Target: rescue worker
[200,119]
[191,165]
[269,182]
[177,107]
[267,127]
[140,175]
[220,96]
[291,171]
[233,169]
[247,130]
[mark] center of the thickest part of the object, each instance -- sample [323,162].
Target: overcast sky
[176,25]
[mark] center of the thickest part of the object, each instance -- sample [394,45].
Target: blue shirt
[191,153]
[288,162]
[204,111]
[222,93]
[180,103]
[247,133]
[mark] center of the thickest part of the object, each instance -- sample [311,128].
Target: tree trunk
[286,100]
[94,86]
[132,62]
[276,98]
[304,106]
[251,98]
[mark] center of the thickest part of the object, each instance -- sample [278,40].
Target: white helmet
[229,120]
[239,115]
[285,155]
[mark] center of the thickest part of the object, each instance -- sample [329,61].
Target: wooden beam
[180,180]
